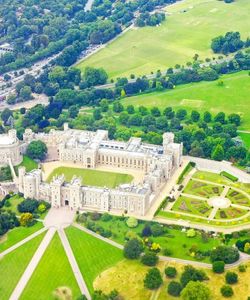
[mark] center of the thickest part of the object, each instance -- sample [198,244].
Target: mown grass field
[92,177]
[232,97]
[133,274]
[246,139]
[28,163]
[53,271]
[14,264]
[93,255]
[17,234]
[189,28]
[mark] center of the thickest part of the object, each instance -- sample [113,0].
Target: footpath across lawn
[53,271]
[14,264]
[17,234]
[93,255]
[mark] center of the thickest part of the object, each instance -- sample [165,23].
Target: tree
[181,114]
[218,267]
[146,231]
[224,253]
[6,113]
[218,153]
[226,291]
[153,279]
[132,222]
[174,288]
[220,117]
[26,219]
[170,272]
[130,109]
[192,274]
[28,205]
[157,229]
[133,248]
[97,114]
[94,76]
[235,119]
[155,111]
[150,259]
[207,117]
[195,116]
[191,233]
[37,150]
[196,291]
[117,107]
[231,277]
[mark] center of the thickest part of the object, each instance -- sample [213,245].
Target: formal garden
[208,198]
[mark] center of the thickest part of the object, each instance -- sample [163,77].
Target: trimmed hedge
[188,168]
[229,176]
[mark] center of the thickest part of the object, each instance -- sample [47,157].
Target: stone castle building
[10,149]
[93,149]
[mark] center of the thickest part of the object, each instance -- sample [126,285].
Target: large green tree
[37,150]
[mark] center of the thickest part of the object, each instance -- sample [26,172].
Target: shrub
[132,249]
[174,288]
[229,176]
[146,231]
[191,233]
[218,266]
[153,279]
[170,272]
[7,203]
[192,274]
[41,208]
[167,252]
[231,277]
[132,222]
[150,259]
[225,253]
[242,268]
[226,291]
[95,216]
[106,217]
[195,291]
[157,229]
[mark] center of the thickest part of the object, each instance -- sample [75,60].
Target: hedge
[229,176]
[188,168]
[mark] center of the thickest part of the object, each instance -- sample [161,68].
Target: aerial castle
[93,149]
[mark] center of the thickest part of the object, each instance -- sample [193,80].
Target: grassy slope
[133,273]
[93,255]
[140,51]
[53,271]
[17,234]
[233,96]
[93,177]
[13,265]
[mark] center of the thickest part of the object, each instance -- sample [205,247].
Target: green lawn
[53,271]
[13,265]
[201,189]
[232,97]
[246,139]
[28,163]
[14,201]
[174,239]
[142,50]
[17,234]
[230,213]
[93,177]
[93,255]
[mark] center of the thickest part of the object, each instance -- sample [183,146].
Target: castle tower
[12,134]
[21,173]
[55,188]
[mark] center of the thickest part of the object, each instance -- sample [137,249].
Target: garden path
[75,268]
[32,265]
[17,245]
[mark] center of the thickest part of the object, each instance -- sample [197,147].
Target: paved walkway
[22,242]
[32,265]
[75,268]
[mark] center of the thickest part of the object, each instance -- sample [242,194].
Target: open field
[93,255]
[189,28]
[232,97]
[53,271]
[13,265]
[246,139]
[17,234]
[133,273]
[92,177]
